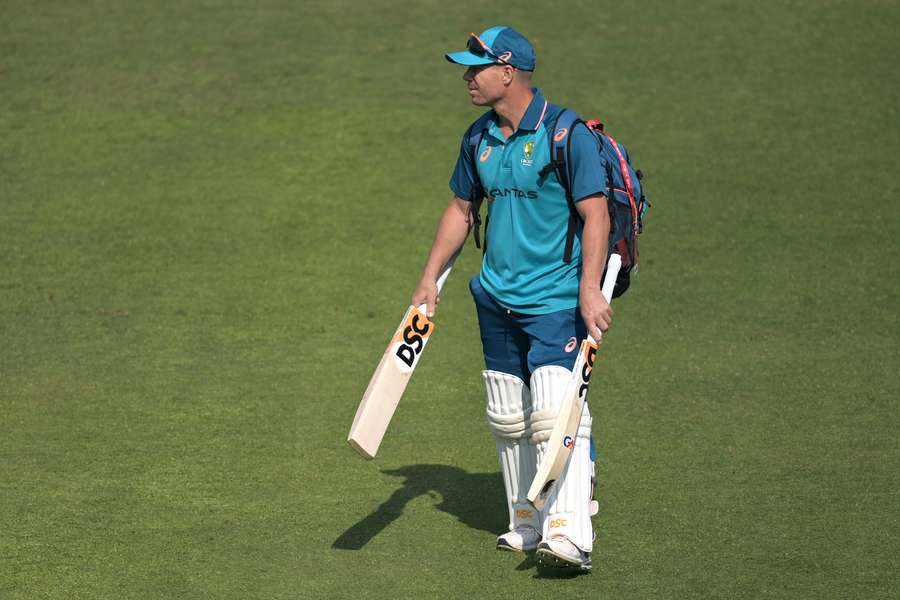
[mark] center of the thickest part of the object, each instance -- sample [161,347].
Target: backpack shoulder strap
[473,140]
[560,150]
[559,145]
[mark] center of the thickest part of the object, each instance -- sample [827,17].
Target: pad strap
[543,421]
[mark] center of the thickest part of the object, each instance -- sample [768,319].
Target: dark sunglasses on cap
[479,48]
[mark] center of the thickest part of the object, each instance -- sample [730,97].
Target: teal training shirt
[523,268]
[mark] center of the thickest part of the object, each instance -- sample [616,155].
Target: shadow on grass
[463,496]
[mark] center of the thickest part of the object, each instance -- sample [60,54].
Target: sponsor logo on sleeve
[485,154]
[568,442]
[560,134]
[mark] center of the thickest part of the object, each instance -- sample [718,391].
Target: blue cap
[504,45]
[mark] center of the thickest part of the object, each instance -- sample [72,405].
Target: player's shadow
[463,495]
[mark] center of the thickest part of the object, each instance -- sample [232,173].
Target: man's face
[487,83]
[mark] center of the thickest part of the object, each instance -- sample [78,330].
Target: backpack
[625,196]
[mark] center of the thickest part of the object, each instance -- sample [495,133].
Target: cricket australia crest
[528,152]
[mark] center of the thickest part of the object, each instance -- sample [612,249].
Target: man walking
[534,307]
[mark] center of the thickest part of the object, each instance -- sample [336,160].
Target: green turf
[212,215]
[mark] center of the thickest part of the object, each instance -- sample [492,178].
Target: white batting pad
[568,510]
[509,417]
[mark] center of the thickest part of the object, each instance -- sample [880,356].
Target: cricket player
[533,307]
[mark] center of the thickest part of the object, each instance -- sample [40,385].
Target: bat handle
[609,282]
[442,278]
[445,272]
[612,272]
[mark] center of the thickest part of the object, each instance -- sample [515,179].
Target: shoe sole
[548,558]
[506,547]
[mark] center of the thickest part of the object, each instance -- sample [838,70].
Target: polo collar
[531,120]
[535,112]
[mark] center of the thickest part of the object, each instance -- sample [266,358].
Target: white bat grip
[445,273]
[612,271]
[609,282]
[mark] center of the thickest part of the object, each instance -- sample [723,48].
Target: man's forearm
[594,241]
[452,230]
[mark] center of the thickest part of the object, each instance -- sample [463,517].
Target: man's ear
[509,73]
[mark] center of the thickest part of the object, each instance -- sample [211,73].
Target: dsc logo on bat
[411,339]
[589,351]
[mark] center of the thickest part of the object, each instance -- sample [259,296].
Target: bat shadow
[462,495]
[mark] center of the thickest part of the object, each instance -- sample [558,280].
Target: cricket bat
[562,438]
[391,376]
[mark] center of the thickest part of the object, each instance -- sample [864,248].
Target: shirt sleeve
[464,179]
[588,170]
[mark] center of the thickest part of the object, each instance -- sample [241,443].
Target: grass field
[212,215]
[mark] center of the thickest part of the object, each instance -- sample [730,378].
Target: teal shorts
[518,344]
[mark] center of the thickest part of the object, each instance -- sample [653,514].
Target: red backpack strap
[629,185]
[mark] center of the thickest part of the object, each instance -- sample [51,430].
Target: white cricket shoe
[560,553]
[521,539]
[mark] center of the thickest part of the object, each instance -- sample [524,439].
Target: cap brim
[468,59]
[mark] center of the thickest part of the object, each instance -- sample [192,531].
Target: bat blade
[389,382]
[562,438]
[392,374]
[565,430]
